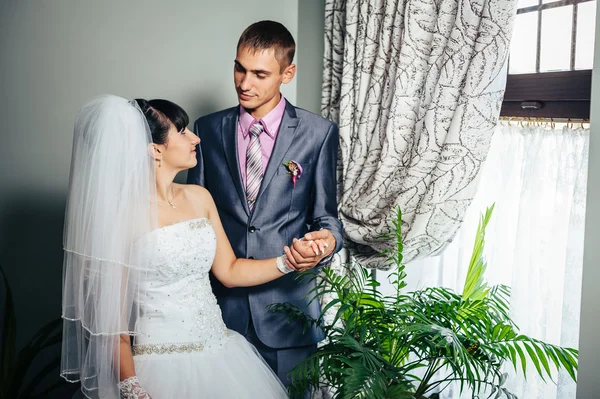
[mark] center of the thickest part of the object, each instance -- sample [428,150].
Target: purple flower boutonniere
[294,169]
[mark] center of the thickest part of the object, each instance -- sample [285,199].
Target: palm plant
[14,370]
[414,344]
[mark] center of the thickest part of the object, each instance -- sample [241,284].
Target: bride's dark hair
[160,114]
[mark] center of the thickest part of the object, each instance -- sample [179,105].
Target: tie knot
[257,129]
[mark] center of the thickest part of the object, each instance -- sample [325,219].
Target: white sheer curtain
[537,177]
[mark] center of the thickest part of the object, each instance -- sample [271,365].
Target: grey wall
[54,55]
[589,344]
[311,20]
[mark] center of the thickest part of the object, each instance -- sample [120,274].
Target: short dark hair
[267,35]
[160,114]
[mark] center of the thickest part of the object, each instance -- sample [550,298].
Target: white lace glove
[130,388]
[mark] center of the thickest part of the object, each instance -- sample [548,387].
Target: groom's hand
[307,252]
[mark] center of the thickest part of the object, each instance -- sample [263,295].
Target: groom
[271,169]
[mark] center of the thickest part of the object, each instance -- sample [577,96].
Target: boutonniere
[294,169]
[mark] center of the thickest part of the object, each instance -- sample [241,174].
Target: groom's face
[257,77]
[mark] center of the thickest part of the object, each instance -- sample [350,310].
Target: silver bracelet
[282,266]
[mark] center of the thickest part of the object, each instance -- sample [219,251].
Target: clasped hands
[306,252]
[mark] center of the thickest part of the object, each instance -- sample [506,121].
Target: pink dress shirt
[271,123]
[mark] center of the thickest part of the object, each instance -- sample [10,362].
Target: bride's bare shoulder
[195,192]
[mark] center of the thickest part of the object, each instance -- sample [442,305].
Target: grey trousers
[282,361]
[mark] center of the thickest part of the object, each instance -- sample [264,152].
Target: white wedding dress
[183,349]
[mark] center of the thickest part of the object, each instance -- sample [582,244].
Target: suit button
[252,229]
[250,257]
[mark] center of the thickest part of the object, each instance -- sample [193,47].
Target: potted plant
[414,344]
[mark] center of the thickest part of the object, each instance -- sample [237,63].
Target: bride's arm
[126,367]
[229,270]
[129,385]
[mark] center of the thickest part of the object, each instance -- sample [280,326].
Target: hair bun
[143,104]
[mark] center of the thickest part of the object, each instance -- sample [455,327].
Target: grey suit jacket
[282,212]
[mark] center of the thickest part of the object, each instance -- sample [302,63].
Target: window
[551,59]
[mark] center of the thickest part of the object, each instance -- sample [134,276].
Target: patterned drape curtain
[415,87]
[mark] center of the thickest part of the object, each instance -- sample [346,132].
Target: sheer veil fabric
[109,212]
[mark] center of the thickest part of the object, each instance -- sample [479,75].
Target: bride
[140,319]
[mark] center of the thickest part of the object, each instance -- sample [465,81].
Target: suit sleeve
[196,174]
[324,206]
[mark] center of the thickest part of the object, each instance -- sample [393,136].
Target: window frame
[564,94]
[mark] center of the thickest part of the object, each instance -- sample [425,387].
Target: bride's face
[179,151]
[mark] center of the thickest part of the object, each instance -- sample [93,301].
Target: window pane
[527,3]
[524,44]
[586,19]
[555,51]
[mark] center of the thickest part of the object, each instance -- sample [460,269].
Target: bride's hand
[307,252]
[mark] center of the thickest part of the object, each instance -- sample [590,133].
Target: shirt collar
[271,121]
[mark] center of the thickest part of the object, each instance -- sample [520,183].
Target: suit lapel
[285,137]
[229,138]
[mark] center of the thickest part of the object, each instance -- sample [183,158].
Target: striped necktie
[254,172]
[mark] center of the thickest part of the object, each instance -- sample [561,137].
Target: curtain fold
[416,89]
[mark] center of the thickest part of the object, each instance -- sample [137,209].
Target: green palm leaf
[475,287]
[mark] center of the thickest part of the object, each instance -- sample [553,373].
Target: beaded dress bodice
[179,311]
